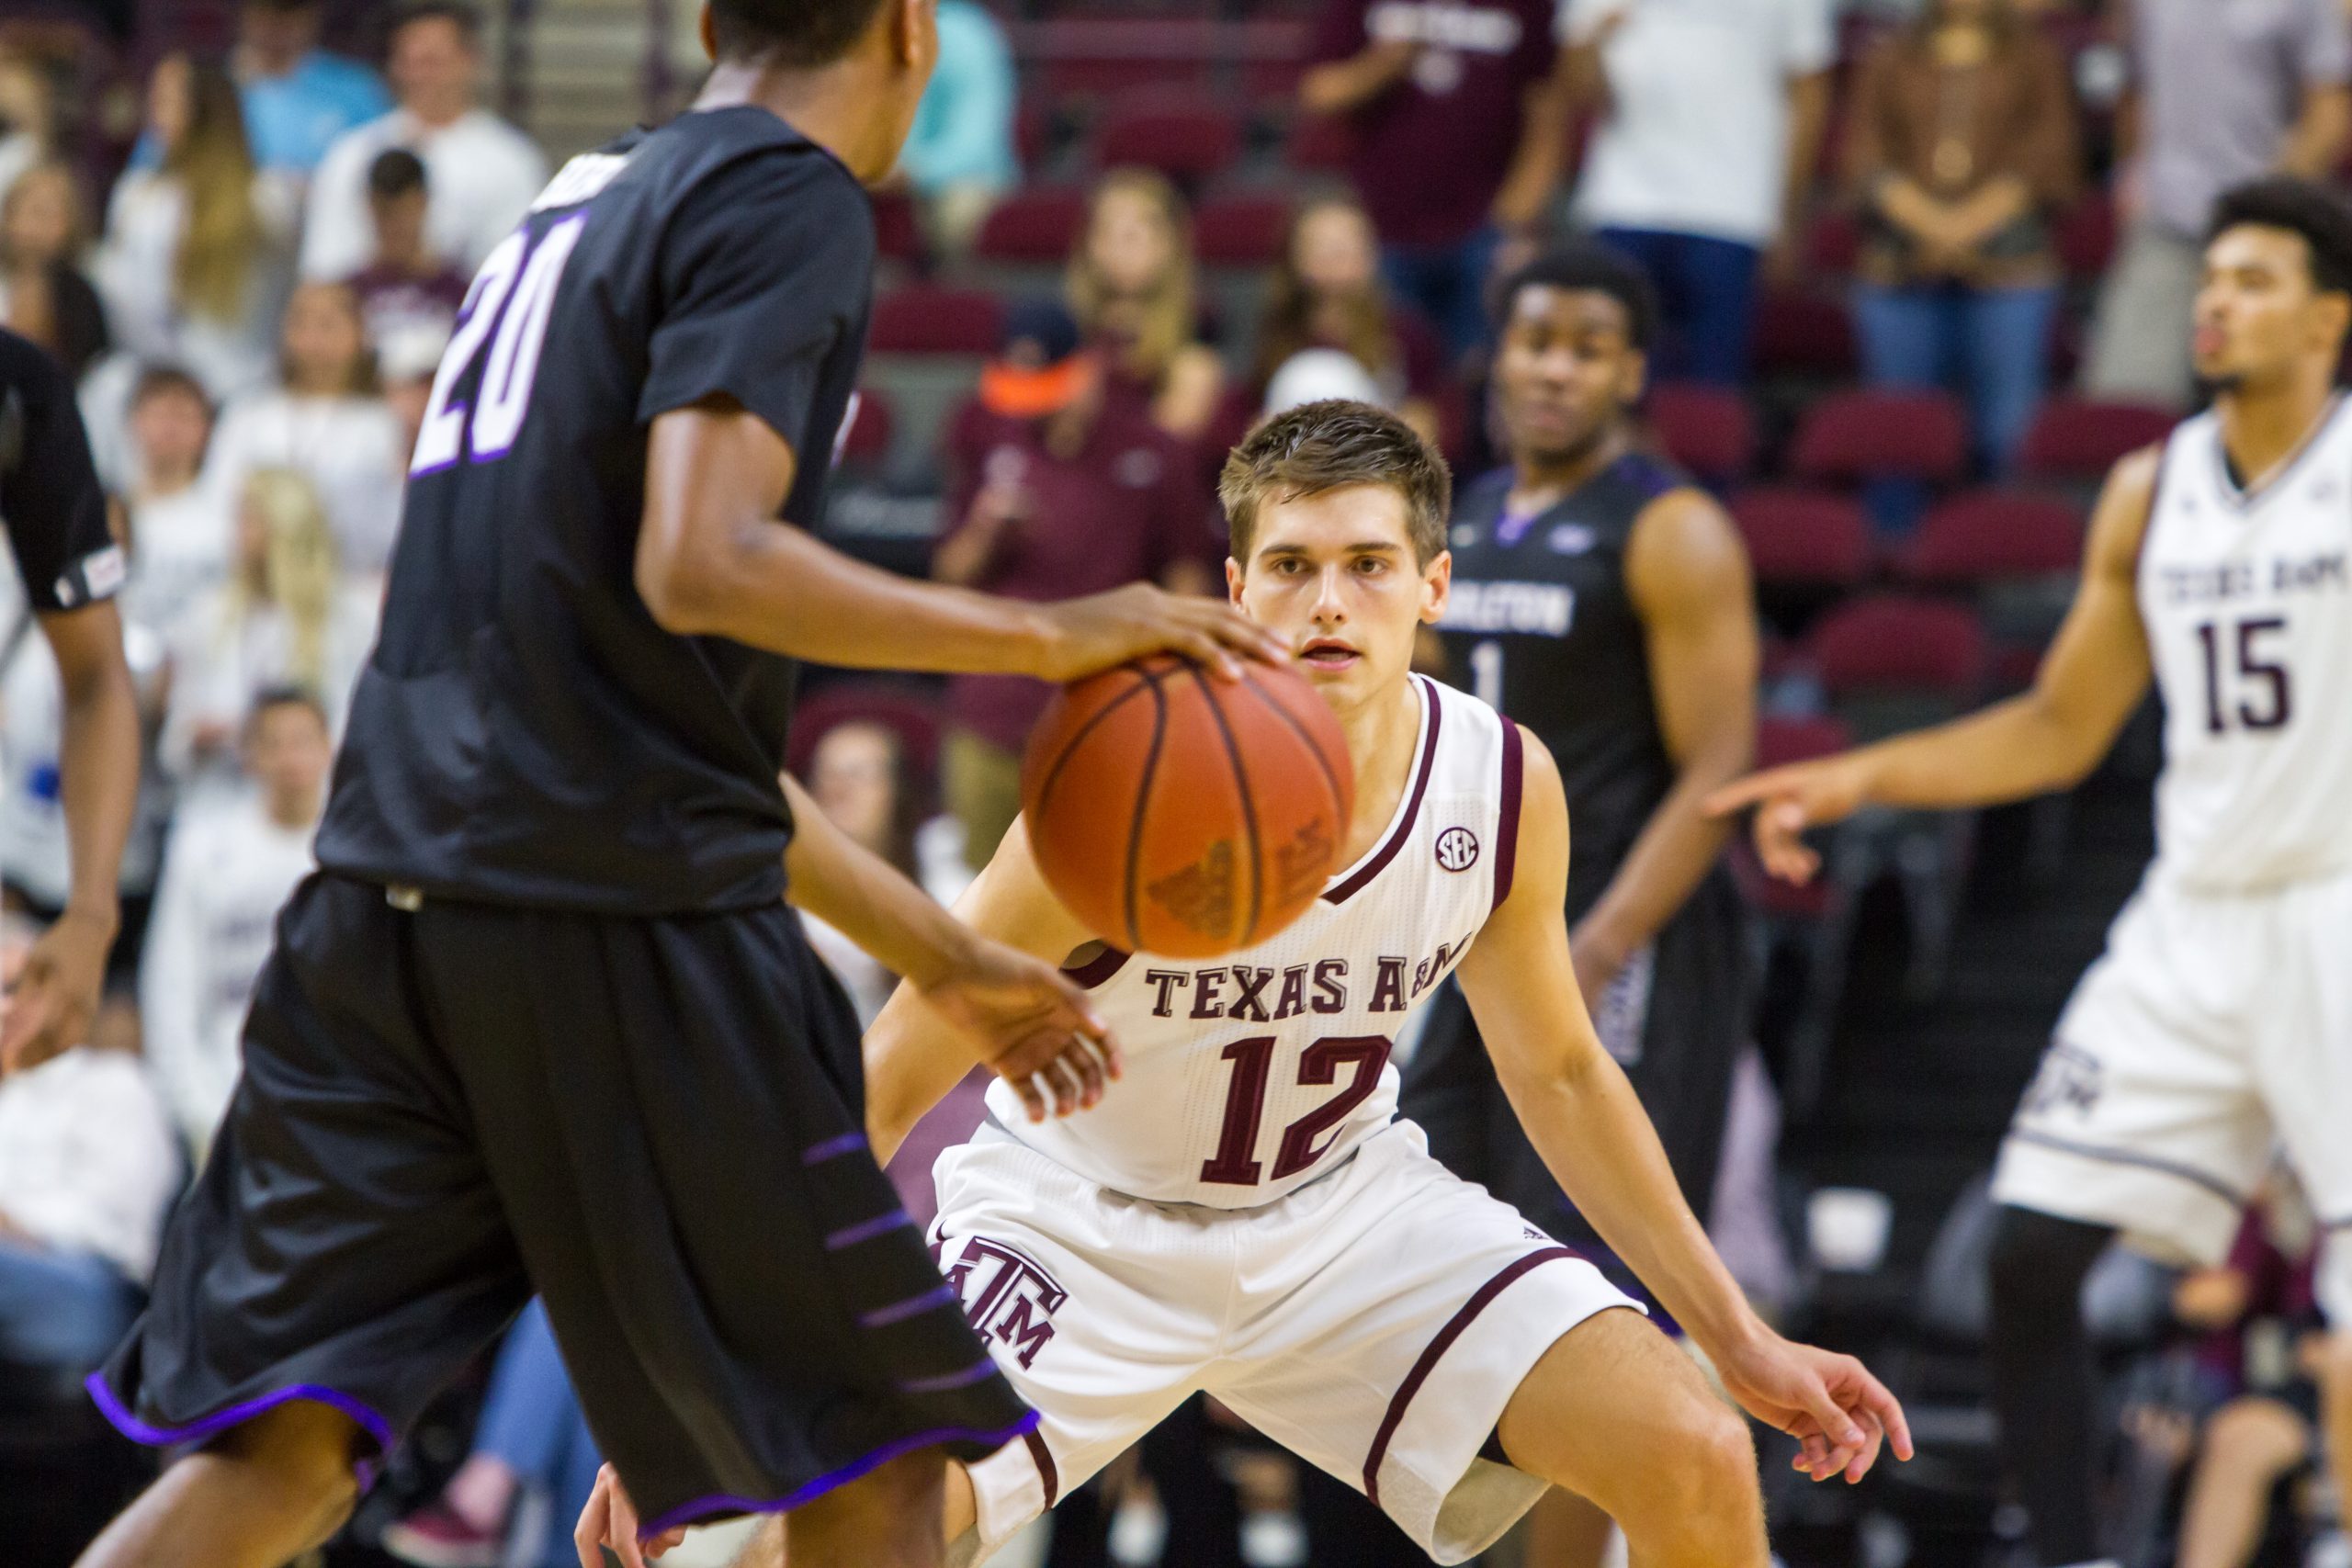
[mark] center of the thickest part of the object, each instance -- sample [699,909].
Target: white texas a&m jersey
[2248,601]
[1253,1073]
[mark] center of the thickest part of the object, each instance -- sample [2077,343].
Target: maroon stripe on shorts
[1044,1457]
[1506,819]
[1479,1300]
[1395,841]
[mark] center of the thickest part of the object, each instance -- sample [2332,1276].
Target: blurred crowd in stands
[1926,270]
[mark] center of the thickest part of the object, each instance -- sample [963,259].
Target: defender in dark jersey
[56,520]
[1602,600]
[542,1022]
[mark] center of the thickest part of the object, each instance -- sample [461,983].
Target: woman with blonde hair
[196,249]
[326,416]
[286,616]
[1132,286]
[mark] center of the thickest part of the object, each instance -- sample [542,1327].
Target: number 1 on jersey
[518,312]
[1486,673]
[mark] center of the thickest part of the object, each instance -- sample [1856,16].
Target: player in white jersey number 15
[1244,1214]
[2218,1025]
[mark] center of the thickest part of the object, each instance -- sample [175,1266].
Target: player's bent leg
[261,1494]
[889,1517]
[2335,1401]
[1565,1531]
[768,1549]
[1615,1413]
[2249,1444]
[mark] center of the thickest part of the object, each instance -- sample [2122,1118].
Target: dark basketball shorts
[1675,1018]
[654,1124]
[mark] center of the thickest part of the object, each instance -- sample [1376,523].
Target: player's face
[1565,371]
[2258,315]
[1334,575]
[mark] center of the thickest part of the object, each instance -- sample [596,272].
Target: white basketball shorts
[2213,1028]
[1375,1322]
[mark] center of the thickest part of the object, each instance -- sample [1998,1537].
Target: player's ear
[709,29]
[1437,582]
[1636,377]
[914,33]
[1233,574]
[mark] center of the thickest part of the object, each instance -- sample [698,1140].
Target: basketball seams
[1054,773]
[1339,797]
[1248,806]
[1143,805]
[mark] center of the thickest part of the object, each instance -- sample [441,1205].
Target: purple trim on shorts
[832,1148]
[1507,817]
[947,1383]
[1480,1299]
[866,1230]
[913,1306]
[1043,1457]
[686,1513]
[1395,841]
[119,1415]
[1097,969]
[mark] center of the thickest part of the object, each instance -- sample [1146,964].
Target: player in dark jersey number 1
[542,1023]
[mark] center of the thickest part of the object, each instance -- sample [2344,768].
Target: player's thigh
[1617,1411]
[2147,1114]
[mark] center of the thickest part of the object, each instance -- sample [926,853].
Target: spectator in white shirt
[87,1169]
[483,172]
[327,418]
[286,616]
[231,865]
[179,531]
[193,265]
[1711,116]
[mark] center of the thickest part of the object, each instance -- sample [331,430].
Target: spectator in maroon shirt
[1459,132]
[406,290]
[1056,490]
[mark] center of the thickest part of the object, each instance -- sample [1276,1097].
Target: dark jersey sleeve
[766,265]
[49,498]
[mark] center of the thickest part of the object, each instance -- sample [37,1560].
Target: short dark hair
[805,33]
[160,380]
[2301,207]
[1586,265]
[459,14]
[396,172]
[269,699]
[1323,446]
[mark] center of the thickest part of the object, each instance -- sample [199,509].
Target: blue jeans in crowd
[1991,346]
[1448,284]
[60,1312]
[531,1422]
[1706,291]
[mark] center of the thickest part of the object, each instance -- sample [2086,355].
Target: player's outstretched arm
[983,1000]
[914,1053]
[713,560]
[2046,739]
[1587,1123]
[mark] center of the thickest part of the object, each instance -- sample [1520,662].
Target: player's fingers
[1859,1465]
[588,1535]
[1836,1422]
[1081,1017]
[668,1540]
[1033,1104]
[1080,1063]
[1058,1082]
[1887,1410]
[1234,631]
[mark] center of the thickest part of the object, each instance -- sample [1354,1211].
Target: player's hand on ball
[1034,1029]
[54,995]
[1102,629]
[1788,800]
[610,1520]
[1838,1412]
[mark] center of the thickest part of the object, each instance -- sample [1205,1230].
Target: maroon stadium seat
[1038,224]
[1832,241]
[1803,334]
[2086,236]
[2071,438]
[1241,229]
[921,318]
[1989,535]
[898,236]
[1706,429]
[909,714]
[1865,434]
[867,439]
[1802,537]
[1102,56]
[1183,140]
[1886,643]
[1318,144]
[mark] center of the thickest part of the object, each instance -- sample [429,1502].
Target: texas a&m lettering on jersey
[1253,1074]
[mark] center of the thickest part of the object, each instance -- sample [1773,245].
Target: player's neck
[1543,479]
[1380,745]
[2263,426]
[832,107]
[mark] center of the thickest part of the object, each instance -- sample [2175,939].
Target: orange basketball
[1178,814]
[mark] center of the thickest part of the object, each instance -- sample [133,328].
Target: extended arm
[1541,157]
[2046,739]
[1587,1123]
[1688,576]
[711,559]
[1345,85]
[2315,143]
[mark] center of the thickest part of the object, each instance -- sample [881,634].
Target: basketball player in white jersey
[1243,1213]
[2220,1018]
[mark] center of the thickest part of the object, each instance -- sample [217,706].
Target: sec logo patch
[1457,848]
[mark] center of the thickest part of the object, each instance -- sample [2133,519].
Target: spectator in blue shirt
[297,97]
[959,158]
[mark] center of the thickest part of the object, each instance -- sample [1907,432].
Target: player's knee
[305,1451]
[1710,1483]
[2255,1436]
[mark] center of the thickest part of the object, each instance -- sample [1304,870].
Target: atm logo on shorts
[1015,1301]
